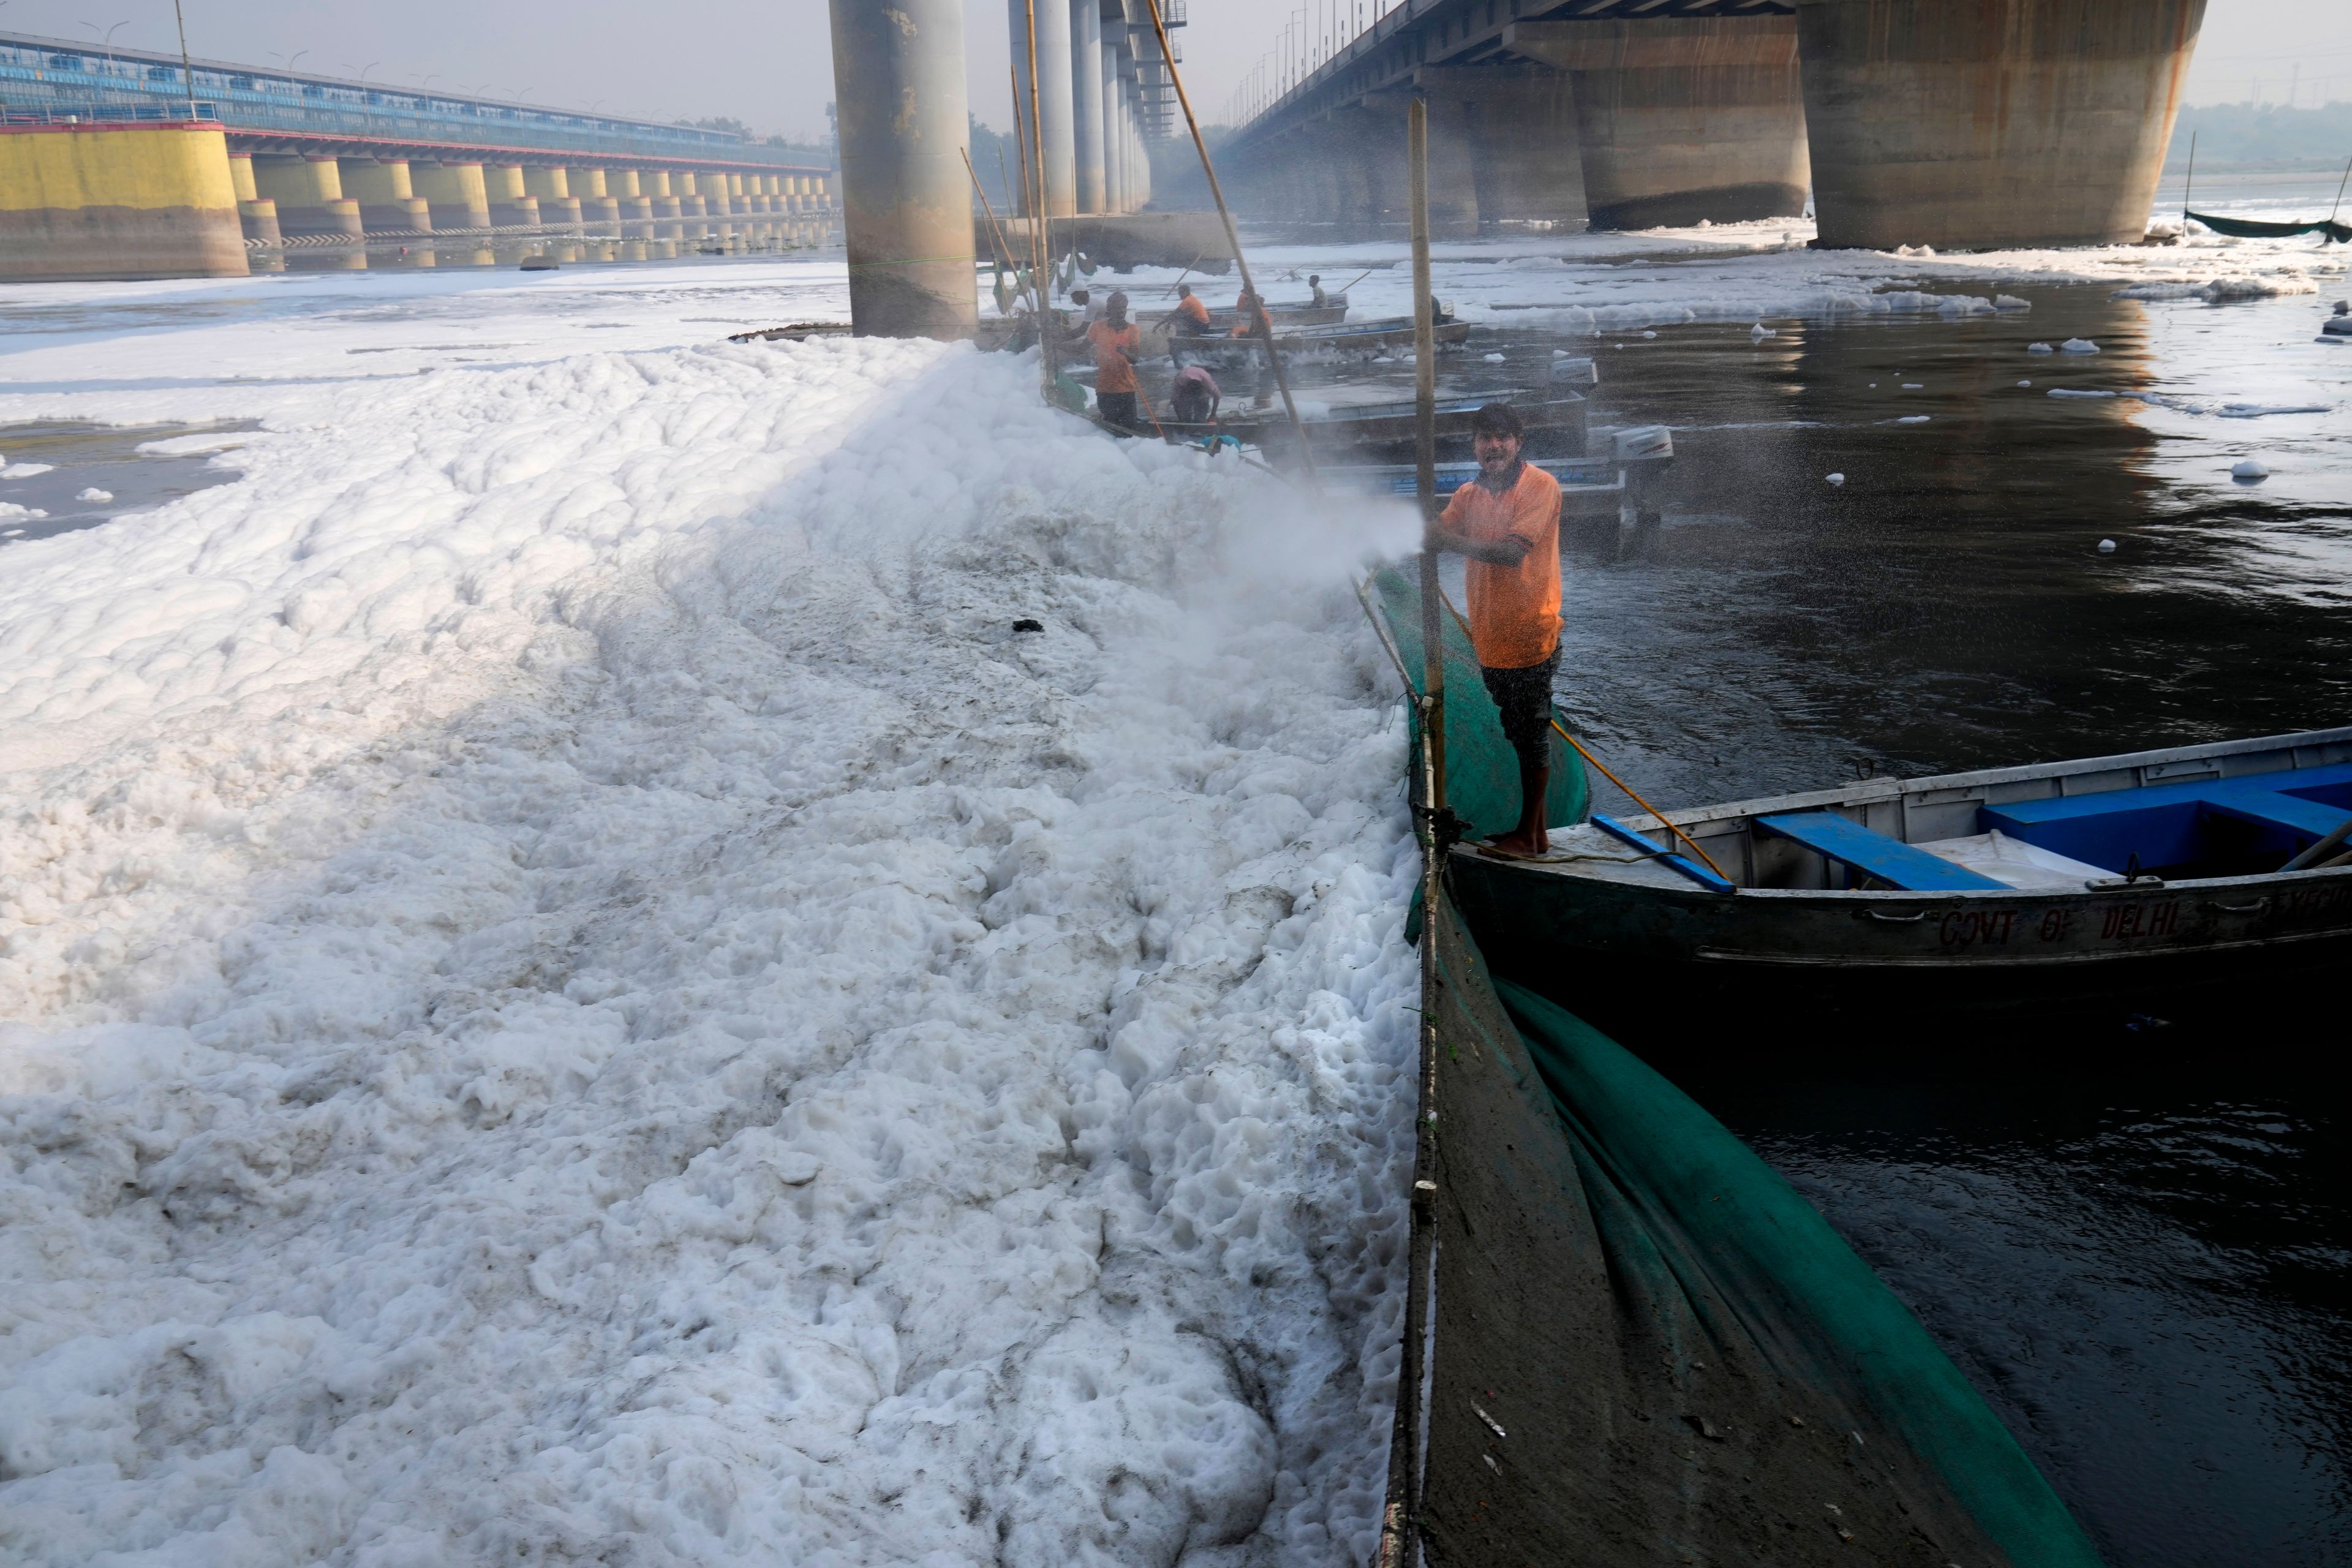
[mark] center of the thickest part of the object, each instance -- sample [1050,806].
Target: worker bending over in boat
[1506,521]
[1115,342]
[1194,398]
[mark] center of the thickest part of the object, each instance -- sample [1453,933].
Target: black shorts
[1524,696]
[1117,408]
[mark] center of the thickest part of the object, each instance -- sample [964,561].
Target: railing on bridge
[50,85]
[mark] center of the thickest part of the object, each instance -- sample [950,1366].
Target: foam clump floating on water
[2011,303]
[94,493]
[2249,468]
[1836,479]
[1494,359]
[2106,547]
[2078,346]
[1914,419]
[2080,391]
[25,471]
[10,511]
[2040,349]
[2025,384]
[1759,332]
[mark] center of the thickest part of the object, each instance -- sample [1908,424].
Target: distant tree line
[2241,136]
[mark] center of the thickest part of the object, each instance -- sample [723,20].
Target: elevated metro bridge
[1955,123]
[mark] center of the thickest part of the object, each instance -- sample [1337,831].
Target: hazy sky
[768,64]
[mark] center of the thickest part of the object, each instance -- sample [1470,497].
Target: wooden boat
[1285,313]
[1589,487]
[1559,419]
[1346,337]
[2098,880]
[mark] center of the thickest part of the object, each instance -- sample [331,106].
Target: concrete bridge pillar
[1454,210]
[1522,128]
[1987,123]
[511,204]
[598,206]
[550,187]
[387,193]
[693,206]
[1089,131]
[1682,119]
[898,80]
[458,195]
[309,191]
[256,214]
[1053,108]
[111,200]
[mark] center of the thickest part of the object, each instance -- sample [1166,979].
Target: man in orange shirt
[1116,342]
[1255,323]
[1190,321]
[1506,521]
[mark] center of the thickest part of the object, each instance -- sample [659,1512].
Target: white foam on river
[578,992]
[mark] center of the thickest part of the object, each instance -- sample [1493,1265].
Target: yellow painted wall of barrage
[148,168]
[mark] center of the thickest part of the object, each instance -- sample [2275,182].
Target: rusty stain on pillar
[1985,123]
[1681,118]
[903,131]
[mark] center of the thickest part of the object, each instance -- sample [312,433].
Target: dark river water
[2138,1245]
[2134,1235]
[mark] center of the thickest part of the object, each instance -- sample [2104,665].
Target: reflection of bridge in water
[103,145]
[1955,123]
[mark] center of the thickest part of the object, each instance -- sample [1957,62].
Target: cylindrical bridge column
[309,192]
[387,193]
[1990,124]
[1681,118]
[256,214]
[458,194]
[549,187]
[1088,127]
[1053,107]
[511,205]
[899,83]
[599,208]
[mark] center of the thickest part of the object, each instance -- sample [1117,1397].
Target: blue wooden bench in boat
[1892,861]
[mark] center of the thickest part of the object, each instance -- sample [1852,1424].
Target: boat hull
[1871,951]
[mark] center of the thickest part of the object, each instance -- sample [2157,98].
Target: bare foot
[1525,844]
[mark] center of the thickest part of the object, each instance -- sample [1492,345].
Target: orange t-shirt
[1191,308]
[1252,318]
[1114,372]
[1514,610]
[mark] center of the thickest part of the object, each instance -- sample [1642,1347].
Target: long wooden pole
[1046,354]
[994,228]
[1424,441]
[1402,1508]
[2347,180]
[1020,149]
[1233,239]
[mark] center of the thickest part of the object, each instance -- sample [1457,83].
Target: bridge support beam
[108,201]
[256,214]
[309,192]
[1987,123]
[457,193]
[550,188]
[1053,108]
[511,204]
[387,196]
[1527,162]
[898,80]
[1089,131]
[1682,119]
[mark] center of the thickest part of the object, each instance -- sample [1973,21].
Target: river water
[2137,1243]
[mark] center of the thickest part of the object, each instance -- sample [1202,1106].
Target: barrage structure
[121,163]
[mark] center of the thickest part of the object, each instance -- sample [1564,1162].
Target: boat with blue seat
[2100,879]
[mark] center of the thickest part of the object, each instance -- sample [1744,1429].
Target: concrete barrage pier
[105,157]
[1954,123]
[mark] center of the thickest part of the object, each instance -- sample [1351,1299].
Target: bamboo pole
[1233,239]
[1003,248]
[1046,354]
[1424,441]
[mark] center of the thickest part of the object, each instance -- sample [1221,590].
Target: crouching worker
[1506,521]
[1195,397]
